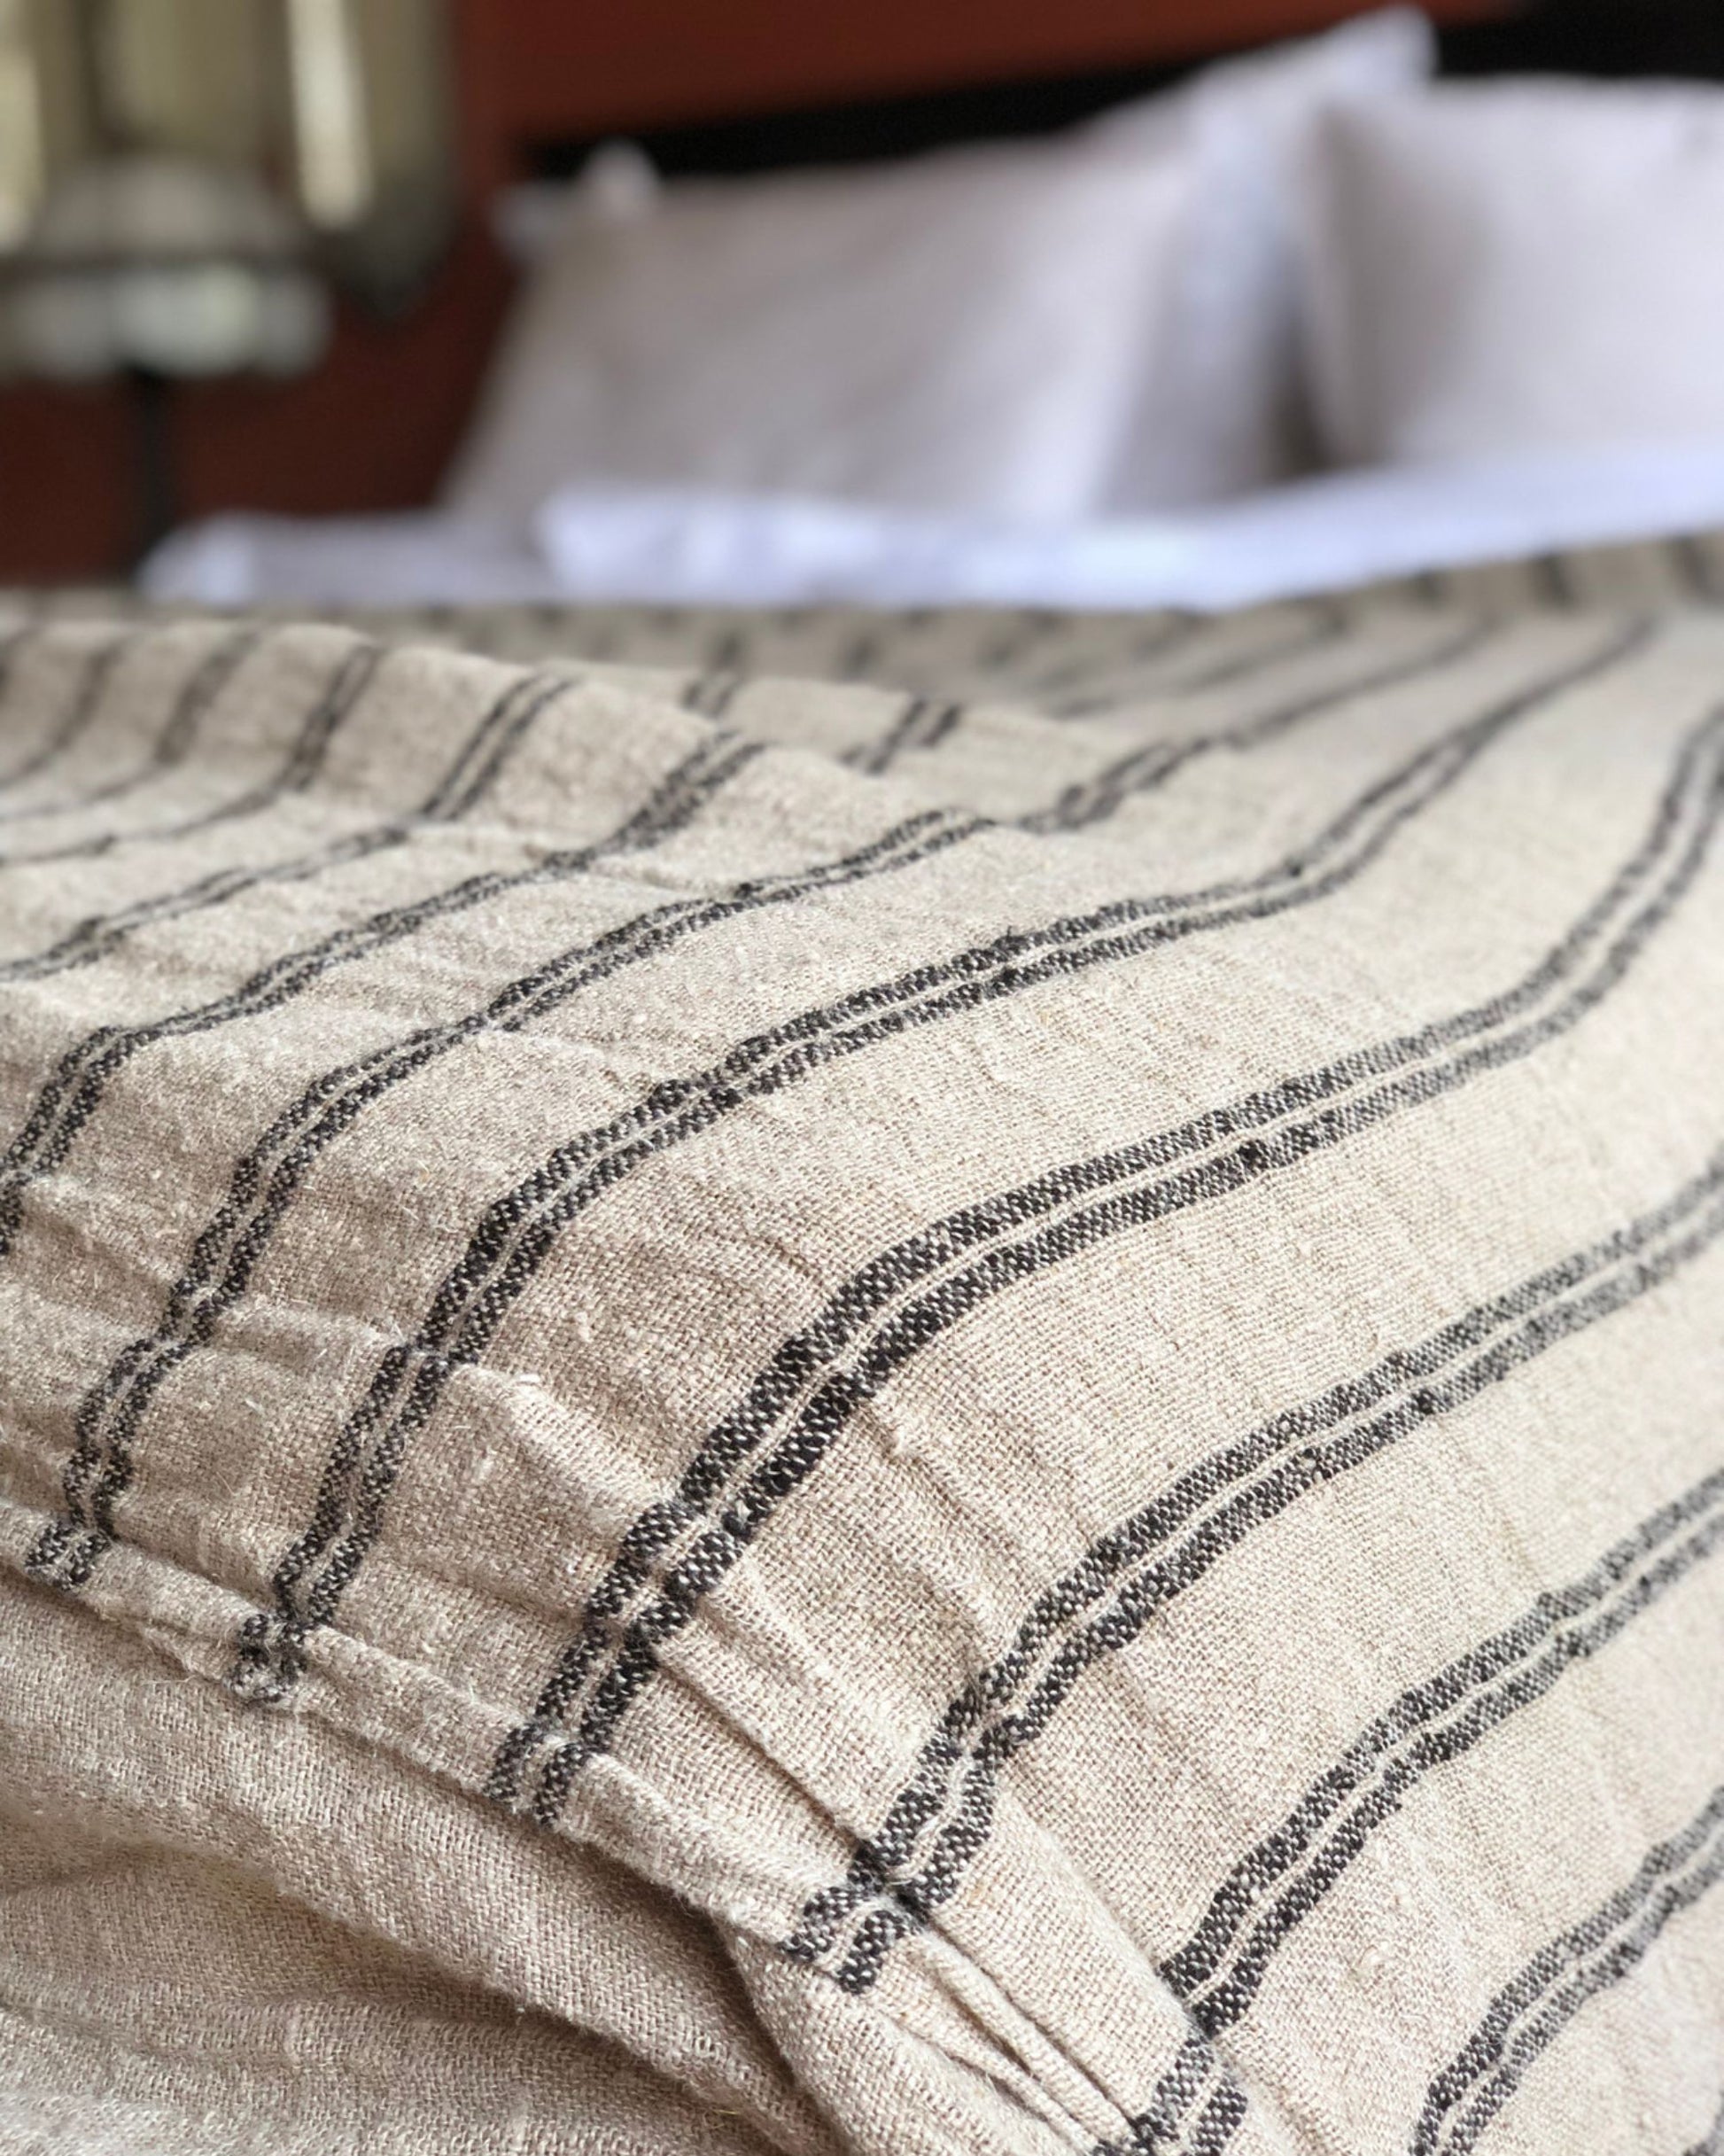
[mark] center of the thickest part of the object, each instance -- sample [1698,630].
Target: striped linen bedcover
[944,1383]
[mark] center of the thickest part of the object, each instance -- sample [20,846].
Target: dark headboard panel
[566,69]
[1586,37]
[1595,37]
[862,130]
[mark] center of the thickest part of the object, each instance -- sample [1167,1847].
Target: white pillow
[1222,410]
[1516,266]
[965,330]
[1005,332]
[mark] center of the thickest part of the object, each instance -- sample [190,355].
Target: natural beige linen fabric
[1122,1396]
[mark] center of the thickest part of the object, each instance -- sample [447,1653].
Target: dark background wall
[1603,37]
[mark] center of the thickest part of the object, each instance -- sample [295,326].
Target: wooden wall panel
[371,430]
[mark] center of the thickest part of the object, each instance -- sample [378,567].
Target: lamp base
[155,481]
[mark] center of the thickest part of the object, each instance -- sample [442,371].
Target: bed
[1107,339]
[925,1379]
[816,1380]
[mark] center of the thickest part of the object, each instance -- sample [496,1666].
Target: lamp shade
[169,263]
[346,106]
[160,206]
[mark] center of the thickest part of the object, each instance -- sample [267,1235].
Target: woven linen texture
[913,1385]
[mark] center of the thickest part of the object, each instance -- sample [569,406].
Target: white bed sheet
[668,547]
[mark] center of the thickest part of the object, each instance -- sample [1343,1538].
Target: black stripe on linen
[923,723]
[90,683]
[1218,2122]
[1087,682]
[1325,623]
[518,1231]
[267,1181]
[1201,1134]
[941,1820]
[1431,1727]
[483,755]
[805,1396]
[1529,2015]
[305,759]
[1093,800]
[1202,2096]
[1022,631]
[99,934]
[1156,2127]
[1695,570]
[1085,673]
[710,695]
[859,655]
[1553,580]
[14,638]
[73,1094]
[1198,2077]
[196,695]
[731,649]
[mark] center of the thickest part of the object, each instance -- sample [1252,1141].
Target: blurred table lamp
[159,269]
[183,182]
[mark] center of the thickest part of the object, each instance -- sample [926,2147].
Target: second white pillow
[1516,266]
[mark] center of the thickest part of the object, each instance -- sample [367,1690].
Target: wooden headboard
[550,69]
[374,428]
